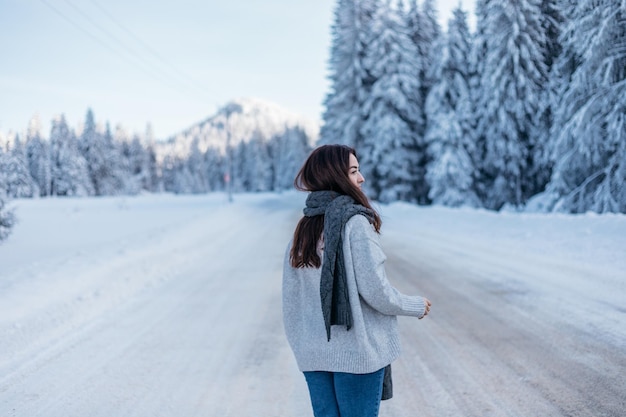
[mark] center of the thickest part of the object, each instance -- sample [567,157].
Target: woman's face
[353,172]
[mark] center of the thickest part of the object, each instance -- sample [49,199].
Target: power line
[121,43]
[152,50]
[132,56]
[98,40]
[77,26]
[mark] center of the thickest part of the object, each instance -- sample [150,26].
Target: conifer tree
[350,77]
[103,159]
[126,160]
[257,166]
[238,178]
[450,172]
[69,172]
[428,41]
[199,183]
[7,216]
[477,56]
[140,166]
[541,161]
[288,151]
[38,158]
[168,168]
[150,181]
[425,32]
[18,182]
[90,146]
[115,177]
[512,83]
[390,155]
[589,151]
[214,163]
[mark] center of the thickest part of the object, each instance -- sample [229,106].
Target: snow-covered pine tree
[90,147]
[167,173]
[277,150]
[478,52]
[18,182]
[239,179]
[390,157]
[185,181]
[103,160]
[510,103]
[116,178]
[561,73]
[7,220]
[349,76]
[541,161]
[425,33]
[215,165]
[38,157]
[127,161]
[7,217]
[176,177]
[589,151]
[553,21]
[150,180]
[257,164]
[69,172]
[450,172]
[288,151]
[121,138]
[138,167]
[427,36]
[199,181]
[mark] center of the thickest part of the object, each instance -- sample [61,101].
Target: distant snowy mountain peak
[239,120]
[229,109]
[248,106]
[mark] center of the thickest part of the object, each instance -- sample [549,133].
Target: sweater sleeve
[373,286]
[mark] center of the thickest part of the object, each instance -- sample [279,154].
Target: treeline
[96,162]
[528,111]
[91,163]
[99,163]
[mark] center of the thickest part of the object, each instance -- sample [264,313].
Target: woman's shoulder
[359,227]
[359,220]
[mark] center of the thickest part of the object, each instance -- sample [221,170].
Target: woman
[339,310]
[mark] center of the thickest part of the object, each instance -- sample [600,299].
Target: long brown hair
[326,169]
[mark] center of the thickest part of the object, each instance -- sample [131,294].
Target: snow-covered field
[162,305]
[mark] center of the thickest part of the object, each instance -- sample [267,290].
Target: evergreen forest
[527,111]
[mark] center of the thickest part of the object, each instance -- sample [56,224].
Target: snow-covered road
[170,306]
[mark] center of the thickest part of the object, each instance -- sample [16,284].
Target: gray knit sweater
[372,343]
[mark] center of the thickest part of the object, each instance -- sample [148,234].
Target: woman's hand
[427,309]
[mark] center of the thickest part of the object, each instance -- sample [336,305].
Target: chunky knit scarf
[337,210]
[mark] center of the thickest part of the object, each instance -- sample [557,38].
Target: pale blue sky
[169,63]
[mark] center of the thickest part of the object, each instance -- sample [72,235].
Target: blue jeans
[339,394]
